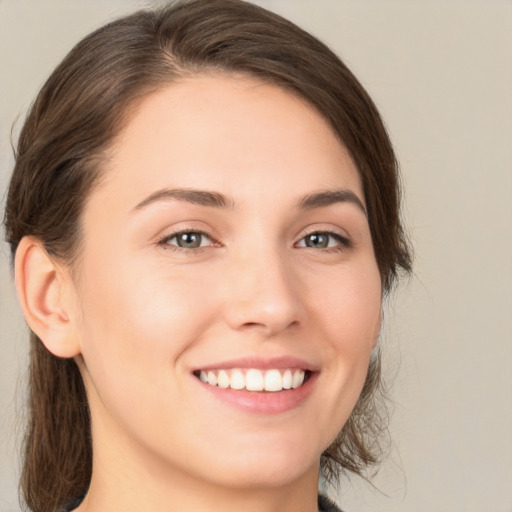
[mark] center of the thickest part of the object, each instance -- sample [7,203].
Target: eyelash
[343,242]
[164,242]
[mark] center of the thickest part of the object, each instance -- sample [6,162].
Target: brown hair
[75,118]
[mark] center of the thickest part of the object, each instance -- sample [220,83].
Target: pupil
[190,240]
[318,240]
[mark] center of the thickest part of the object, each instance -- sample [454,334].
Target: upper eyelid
[343,239]
[161,240]
[327,231]
[183,231]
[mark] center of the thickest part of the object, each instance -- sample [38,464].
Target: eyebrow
[194,196]
[329,197]
[216,200]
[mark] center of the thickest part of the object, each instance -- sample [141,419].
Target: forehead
[231,133]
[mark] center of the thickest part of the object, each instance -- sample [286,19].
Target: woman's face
[227,241]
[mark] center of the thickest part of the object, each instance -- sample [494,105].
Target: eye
[324,240]
[187,240]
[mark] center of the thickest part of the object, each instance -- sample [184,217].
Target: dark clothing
[324,505]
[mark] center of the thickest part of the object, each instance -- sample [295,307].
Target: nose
[262,294]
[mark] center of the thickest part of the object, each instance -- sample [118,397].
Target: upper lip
[279,363]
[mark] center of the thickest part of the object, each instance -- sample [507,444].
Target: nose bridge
[261,290]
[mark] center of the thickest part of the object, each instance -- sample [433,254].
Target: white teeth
[287,379]
[254,379]
[237,380]
[223,380]
[298,378]
[273,381]
[212,378]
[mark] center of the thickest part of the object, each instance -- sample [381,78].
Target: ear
[46,294]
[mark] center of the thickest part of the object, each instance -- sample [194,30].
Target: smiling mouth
[253,379]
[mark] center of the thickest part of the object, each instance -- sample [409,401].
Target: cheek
[137,326]
[350,308]
[139,320]
[349,311]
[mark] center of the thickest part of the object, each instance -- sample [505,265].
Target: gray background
[440,71]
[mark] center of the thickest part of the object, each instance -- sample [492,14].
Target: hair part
[75,119]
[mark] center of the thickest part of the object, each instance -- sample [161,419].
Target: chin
[266,468]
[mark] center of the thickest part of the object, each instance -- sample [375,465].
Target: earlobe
[43,289]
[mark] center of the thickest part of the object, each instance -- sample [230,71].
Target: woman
[204,219]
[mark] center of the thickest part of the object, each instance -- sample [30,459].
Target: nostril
[253,325]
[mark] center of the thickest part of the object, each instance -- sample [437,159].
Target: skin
[141,314]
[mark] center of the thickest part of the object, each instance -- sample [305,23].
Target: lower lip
[263,402]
